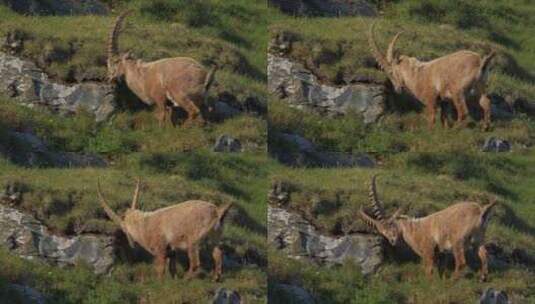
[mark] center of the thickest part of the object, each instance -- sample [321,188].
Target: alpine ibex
[182,226]
[458,78]
[181,81]
[453,228]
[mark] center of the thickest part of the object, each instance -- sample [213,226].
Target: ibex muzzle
[458,78]
[179,227]
[452,229]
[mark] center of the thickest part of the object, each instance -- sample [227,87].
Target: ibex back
[182,226]
[181,81]
[452,229]
[458,78]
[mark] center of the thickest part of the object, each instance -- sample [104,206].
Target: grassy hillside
[428,182]
[337,50]
[175,163]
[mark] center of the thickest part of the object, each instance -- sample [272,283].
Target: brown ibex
[182,226]
[458,78]
[181,81]
[454,228]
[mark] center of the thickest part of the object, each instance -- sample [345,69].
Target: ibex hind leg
[194,113]
[217,255]
[483,256]
[485,104]
[194,262]
[460,261]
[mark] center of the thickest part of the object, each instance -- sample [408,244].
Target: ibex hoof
[483,278]
[191,275]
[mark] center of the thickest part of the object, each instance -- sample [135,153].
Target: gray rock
[226,143]
[56,7]
[226,296]
[491,296]
[298,295]
[493,144]
[295,150]
[29,85]
[297,238]
[27,294]
[26,237]
[299,87]
[223,110]
[28,150]
[325,7]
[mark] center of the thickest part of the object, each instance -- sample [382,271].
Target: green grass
[337,49]
[428,182]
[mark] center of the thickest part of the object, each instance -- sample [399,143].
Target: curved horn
[375,50]
[112,215]
[136,194]
[390,52]
[378,209]
[367,219]
[113,45]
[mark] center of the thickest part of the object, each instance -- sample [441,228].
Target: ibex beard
[183,226]
[459,78]
[179,81]
[454,229]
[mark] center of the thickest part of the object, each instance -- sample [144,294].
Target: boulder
[226,143]
[325,7]
[491,296]
[297,238]
[297,151]
[493,144]
[56,7]
[29,150]
[26,237]
[27,84]
[299,87]
[226,296]
[294,293]
[27,295]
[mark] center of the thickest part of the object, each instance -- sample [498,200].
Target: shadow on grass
[465,167]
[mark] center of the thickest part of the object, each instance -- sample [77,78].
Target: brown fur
[182,81]
[182,226]
[458,78]
[451,229]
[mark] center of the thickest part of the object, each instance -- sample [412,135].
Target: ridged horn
[113,45]
[383,63]
[136,194]
[378,210]
[367,219]
[112,215]
[390,52]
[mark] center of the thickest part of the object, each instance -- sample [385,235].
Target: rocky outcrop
[23,81]
[56,7]
[29,150]
[324,7]
[299,87]
[297,151]
[26,237]
[297,238]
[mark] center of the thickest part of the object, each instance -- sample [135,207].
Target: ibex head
[117,62]
[393,63]
[130,214]
[388,227]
